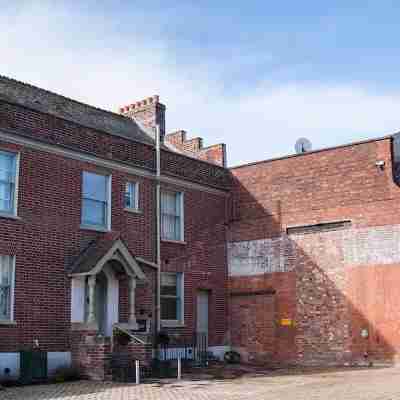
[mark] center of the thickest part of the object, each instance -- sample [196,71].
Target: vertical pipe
[137,367]
[158,225]
[179,369]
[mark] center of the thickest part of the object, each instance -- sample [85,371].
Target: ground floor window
[6,287]
[172,298]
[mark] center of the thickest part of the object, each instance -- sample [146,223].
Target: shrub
[66,374]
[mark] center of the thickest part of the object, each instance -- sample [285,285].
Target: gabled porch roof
[106,249]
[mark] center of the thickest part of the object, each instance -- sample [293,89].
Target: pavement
[300,384]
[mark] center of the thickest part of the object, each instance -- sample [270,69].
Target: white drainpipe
[158,224]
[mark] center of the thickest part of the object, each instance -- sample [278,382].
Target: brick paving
[356,384]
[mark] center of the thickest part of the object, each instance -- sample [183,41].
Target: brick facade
[299,255]
[331,284]
[55,147]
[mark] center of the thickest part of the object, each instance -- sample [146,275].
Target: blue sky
[256,75]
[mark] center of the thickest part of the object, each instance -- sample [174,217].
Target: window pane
[6,271]
[7,167]
[168,203]
[169,309]
[94,212]
[94,186]
[130,195]
[168,227]
[4,302]
[6,196]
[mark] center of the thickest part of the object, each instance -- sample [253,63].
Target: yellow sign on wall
[286,322]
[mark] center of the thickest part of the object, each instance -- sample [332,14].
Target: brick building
[291,261]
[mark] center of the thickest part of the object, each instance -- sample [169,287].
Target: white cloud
[86,58]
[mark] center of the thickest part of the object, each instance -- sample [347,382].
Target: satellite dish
[302,145]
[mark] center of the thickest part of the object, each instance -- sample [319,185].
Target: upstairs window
[172,216]
[172,297]
[96,202]
[8,178]
[6,287]
[131,199]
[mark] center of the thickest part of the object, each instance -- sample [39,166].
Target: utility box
[33,366]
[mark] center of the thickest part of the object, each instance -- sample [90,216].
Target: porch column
[132,306]
[92,286]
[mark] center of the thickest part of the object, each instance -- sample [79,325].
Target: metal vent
[324,227]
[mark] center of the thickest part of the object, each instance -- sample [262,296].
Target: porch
[107,322]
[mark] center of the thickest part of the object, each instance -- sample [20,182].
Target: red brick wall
[215,154]
[202,259]
[332,296]
[47,235]
[53,130]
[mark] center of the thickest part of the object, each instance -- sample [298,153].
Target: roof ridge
[64,97]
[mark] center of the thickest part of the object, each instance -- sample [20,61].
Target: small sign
[286,322]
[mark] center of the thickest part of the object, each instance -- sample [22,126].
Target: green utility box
[33,366]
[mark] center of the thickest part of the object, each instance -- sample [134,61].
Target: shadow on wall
[299,299]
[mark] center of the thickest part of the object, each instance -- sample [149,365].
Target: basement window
[317,228]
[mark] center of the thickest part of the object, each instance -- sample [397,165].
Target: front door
[202,314]
[101,303]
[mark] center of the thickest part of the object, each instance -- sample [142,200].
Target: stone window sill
[94,228]
[10,216]
[133,210]
[181,242]
[8,322]
[172,324]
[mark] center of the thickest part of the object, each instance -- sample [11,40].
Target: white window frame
[181,321]
[14,212]
[182,212]
[12,293]
[107,227]
[136,205]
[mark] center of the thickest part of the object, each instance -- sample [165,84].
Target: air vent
[324,227]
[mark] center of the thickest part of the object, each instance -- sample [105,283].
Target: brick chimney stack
[149,112]
[215,154]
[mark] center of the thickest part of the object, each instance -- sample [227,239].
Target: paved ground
[354,384]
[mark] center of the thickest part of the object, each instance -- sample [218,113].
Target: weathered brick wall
[52,129]
[341,277]
[91,355]
[47,235]
[202,259]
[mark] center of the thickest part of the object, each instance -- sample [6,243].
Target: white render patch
[363,246]
[257,257]
[57,359]
[9,365]
[369,246]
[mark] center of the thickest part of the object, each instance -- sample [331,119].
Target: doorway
[101,303]
[202,314]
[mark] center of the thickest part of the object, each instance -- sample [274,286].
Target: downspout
[158,225]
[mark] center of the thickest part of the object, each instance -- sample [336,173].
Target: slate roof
[92,254]
[42,100]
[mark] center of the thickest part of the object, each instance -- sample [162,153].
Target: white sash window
[131,196]
[172,216]
[6,287]
[8,182]
[96,200]
[172,301]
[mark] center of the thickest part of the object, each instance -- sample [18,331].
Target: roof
[107,248]
[42,100]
